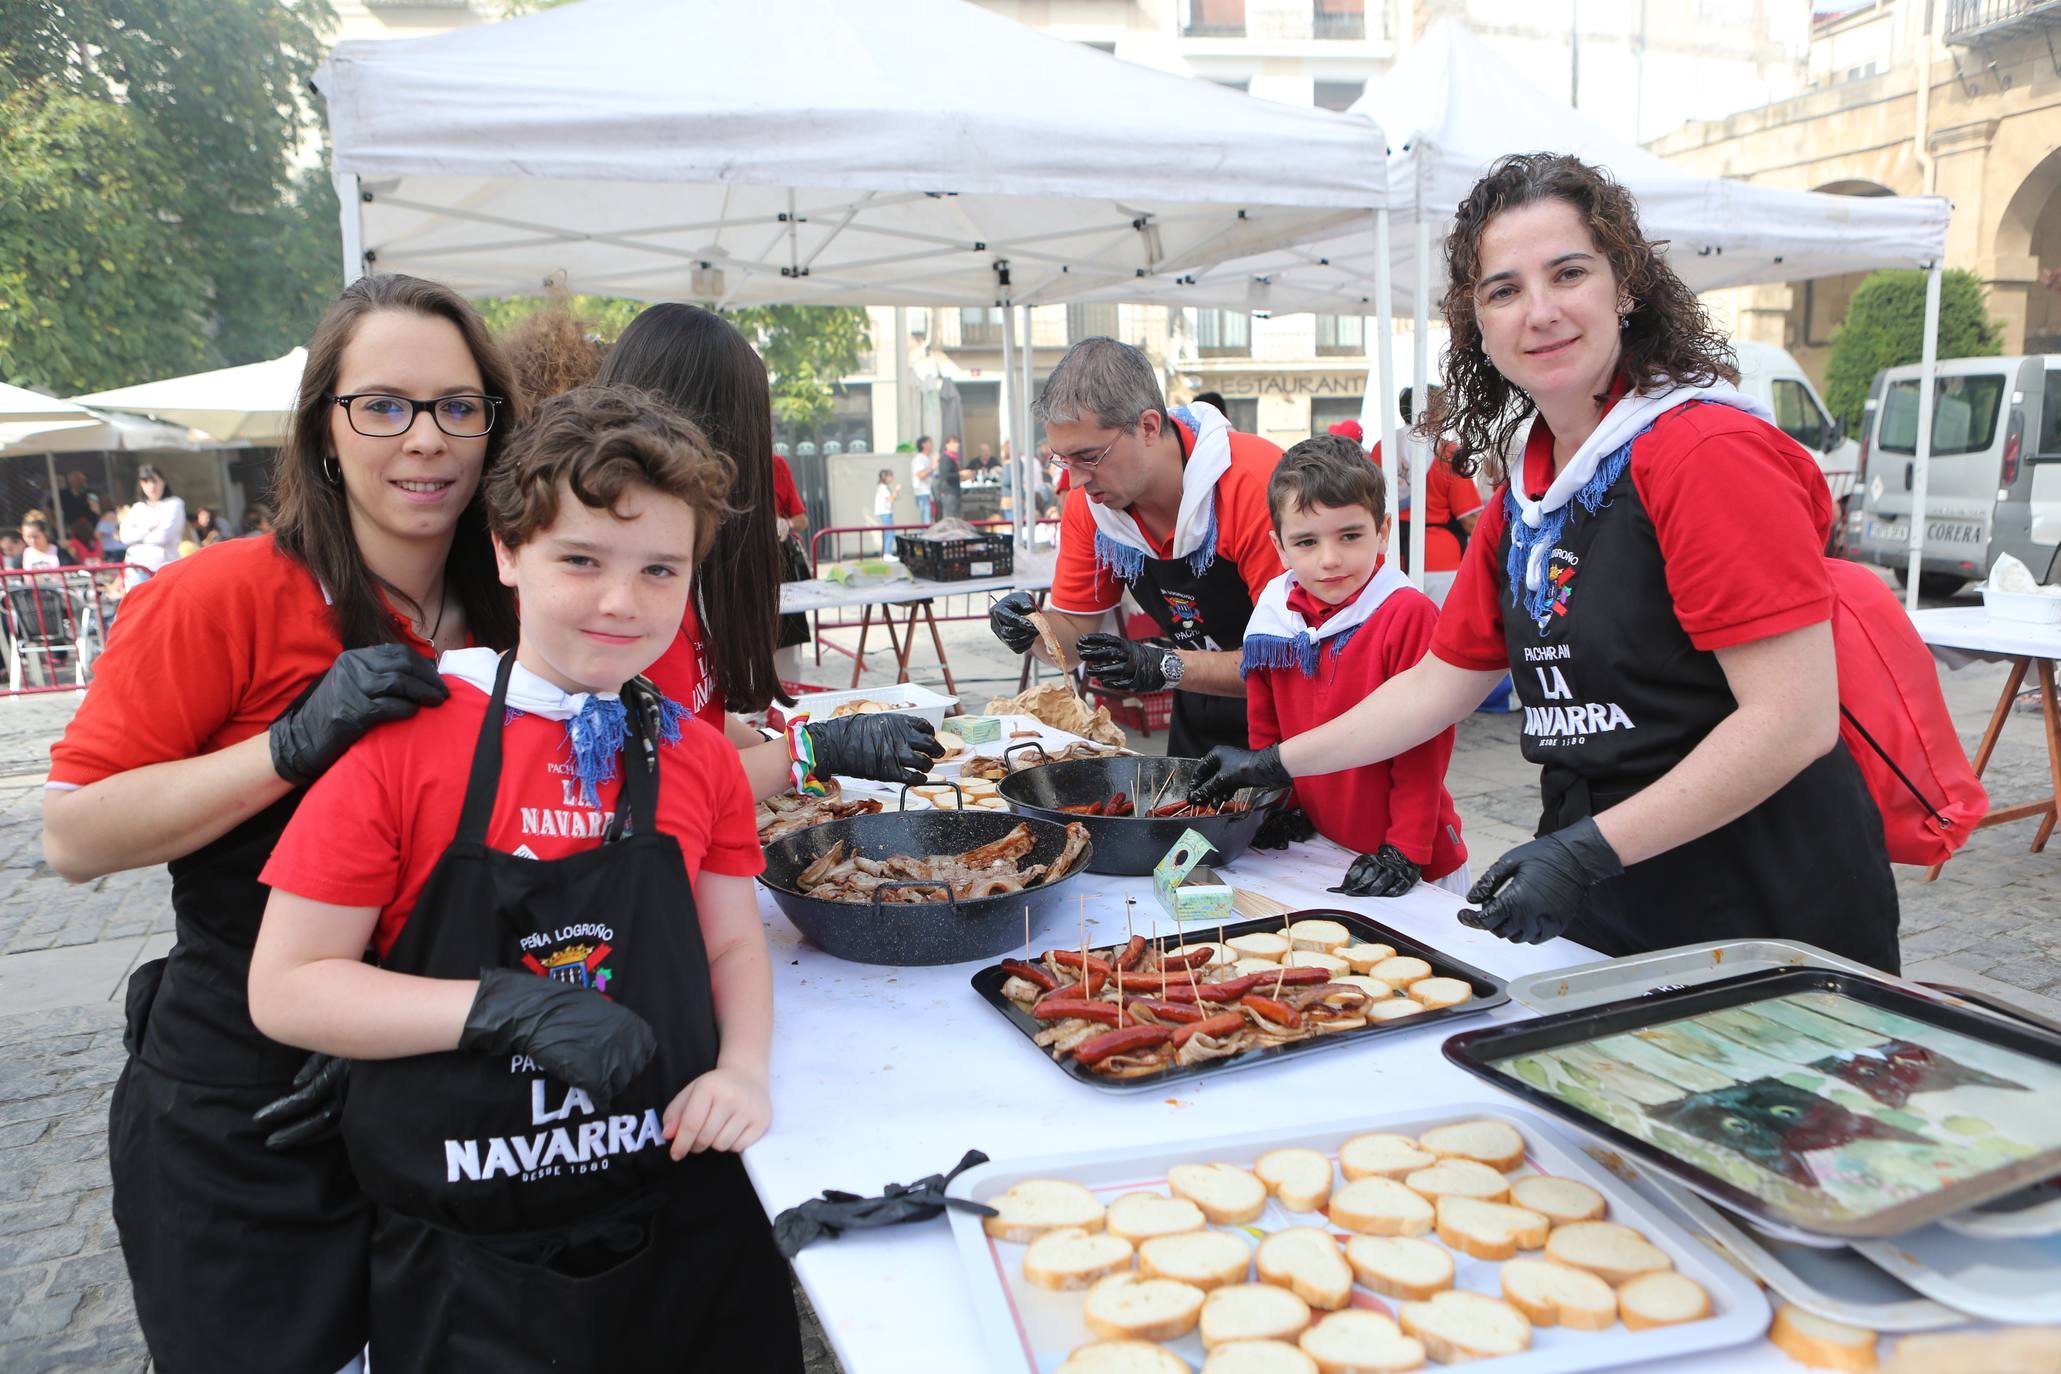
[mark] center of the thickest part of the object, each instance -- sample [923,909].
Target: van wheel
[1933,584]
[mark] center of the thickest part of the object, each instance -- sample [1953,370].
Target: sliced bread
[1559,1200]
[1617,1254]
[1439,993]
[1300,1178]
[1306,1260]
[1207,1259]
[1328,936]
[1073,1258]
[1124,1307]
[1140,1216]
[1373,987]
[1494,1143]
[1227,1194]
[1258,1357]
[1239,967]
[1458,1178]
[1489,1230]
[1394,1009]
[1400,1266]
[1037,1205]
[1556,1295]
[1816,1343]
[1456,1326]
[1357,1341]
[1259,944]
[1662,1299]
[1252,1312]
[1380,1207]
[1400,972]
[1363,957]
[1123,1357]
[1317,958]
[1380,1154]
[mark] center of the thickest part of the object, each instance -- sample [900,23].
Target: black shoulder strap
[1901,777]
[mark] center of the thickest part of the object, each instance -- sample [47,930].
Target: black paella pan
[1130,844]
[910,933]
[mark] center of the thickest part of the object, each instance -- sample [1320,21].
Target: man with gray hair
[1172,506]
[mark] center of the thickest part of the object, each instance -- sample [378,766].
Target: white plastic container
[912,697]
[2031,608]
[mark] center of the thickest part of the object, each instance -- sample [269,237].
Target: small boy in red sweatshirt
[1323,635]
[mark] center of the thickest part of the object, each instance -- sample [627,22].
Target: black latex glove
[834,1213]
[313,1110]
[887,747]
[1290,825]
[1530,894]
[574,1034]
[361,689]
[1009,618]
[1384,873]
[1226,768]
[1124,665]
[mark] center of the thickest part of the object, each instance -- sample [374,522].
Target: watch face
[1170,665]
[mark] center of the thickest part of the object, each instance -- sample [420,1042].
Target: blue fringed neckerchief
[1127,564]
[594,738]
[1527,543]
[1300,652]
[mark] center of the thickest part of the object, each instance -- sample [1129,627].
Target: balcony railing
[1213,19]
[1336,21]
[1971,21]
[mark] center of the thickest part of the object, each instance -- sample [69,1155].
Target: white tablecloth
[889,1074]
[1033,573]
[1969,632]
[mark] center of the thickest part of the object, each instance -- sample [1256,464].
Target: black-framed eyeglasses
[1084,463]
[377,415]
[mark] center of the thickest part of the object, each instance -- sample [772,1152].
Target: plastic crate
[1143,712]
[957,560]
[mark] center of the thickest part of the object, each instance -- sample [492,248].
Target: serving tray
[1488,994]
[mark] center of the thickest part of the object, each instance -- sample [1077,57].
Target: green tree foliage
[1885,327]
[148,205]
[807,348]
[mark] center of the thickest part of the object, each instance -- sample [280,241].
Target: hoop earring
[329,470]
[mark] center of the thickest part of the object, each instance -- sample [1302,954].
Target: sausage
[1133,952]
[1223,1023]
[1280,1013]
[1231,989]
[1164,1010]
[1097,1048]
[1059,1008]
[1071,958]
[1174,808]
[1194,958]
[1030,973]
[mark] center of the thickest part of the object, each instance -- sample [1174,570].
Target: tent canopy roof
[254,401]
[808,150]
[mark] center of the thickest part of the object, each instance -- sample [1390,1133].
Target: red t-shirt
[1401,801]
[1244,531]
[787,502]
[1741,513]
[1447,496]
[682,672]
[371,828]
[205,654]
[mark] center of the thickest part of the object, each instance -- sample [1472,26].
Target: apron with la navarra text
[522,1225]
[1614,695]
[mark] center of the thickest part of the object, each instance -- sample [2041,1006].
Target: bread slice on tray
[1458,1178]
[1124,1307]
[1494,1143]
[1357,1341]
[1317,958]
[1317,933]
[1381,1154]
[1037,1205]
[1380,1207]
[1227,1194]
[1259,944]
[1073,1258]
[1664,1298]
[1301,1178]
[1458,1326]
[1394,1009]
[1400,1266]
[1140,1216]
[1252,1312]
[1363,957]
[1258,1357]
[1617,1254]
[1489,1230]
[1437,994]
[1373,987]
[1820,1344]
[1206,1259]
[1123,1357]
[1552,1294]
[1306,1261]
[1559,1200]
[1401,971]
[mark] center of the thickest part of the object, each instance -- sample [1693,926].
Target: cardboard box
[975,729]
[1187,888]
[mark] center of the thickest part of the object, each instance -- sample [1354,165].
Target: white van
[1777,381]
[1994,485]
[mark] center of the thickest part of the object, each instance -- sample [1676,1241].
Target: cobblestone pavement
[1992,922]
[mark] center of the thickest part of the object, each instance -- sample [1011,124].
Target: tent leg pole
[1420,375]
[1025,473]
[1006,418]
[1922,461]
[350,208]
[1383,430]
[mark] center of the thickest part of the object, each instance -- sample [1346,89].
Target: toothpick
[1026,933]
[1282,981]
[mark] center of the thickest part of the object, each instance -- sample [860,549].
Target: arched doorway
[2029,244]
[1816,308]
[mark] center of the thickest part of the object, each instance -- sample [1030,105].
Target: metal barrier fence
[55,622]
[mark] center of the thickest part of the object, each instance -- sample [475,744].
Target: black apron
[1614,696]
[520,1227]
[241,1258]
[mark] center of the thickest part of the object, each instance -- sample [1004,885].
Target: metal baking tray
[1663,970]
[2003,1280]
[1483,1053]
[1489,993]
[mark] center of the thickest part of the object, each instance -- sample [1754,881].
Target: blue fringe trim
[1120,561]
[1537,602]
[595,739]
[1277,651]
[1345,637]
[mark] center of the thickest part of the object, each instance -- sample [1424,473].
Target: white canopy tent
[20,406]
[814,151]
[253,402]
[1451,106]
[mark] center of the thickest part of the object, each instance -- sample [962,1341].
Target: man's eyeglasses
[379,416]
[1085,462]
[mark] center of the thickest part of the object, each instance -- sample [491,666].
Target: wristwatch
[1171,668]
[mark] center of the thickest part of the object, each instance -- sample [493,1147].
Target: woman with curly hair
[1651,575]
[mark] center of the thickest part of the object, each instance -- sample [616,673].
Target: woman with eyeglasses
[246,1239]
